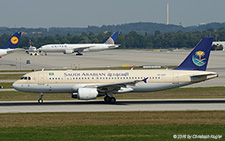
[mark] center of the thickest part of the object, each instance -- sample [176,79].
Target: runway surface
[108,58]
[121,105]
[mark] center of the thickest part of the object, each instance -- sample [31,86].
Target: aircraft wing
[119,86]
[81,49]
[14,50]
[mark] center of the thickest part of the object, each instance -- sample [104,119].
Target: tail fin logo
[14,40]
[110,41]
[198,58]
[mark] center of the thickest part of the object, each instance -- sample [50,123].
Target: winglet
[198,58]
[12,42]
[112,39]
[145,79]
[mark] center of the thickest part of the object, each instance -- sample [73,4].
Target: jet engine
[68,52]
[87,93]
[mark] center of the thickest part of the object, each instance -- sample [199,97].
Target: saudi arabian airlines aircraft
[90,84]
[10,45]
[78,48]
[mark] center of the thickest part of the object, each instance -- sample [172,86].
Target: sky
[81,13]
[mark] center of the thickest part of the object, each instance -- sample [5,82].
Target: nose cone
[16,86]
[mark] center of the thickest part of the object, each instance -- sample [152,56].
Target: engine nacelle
[68,51]
[87,93]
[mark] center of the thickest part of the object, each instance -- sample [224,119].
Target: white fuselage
[70,81]
[71,48]
[5,51]
[32,49]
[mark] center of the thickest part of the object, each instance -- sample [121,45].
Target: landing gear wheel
[40,101]
[107,99]
[113,100]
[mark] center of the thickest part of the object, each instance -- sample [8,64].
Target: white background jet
[32,50]
[78,48]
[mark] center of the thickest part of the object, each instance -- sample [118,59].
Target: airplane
[78,48]
[32,50]
[90,84]
[10,45]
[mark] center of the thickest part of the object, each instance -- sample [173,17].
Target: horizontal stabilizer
[203,77]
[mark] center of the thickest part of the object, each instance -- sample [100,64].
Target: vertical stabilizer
[12,42]
[112,39]
[198,58]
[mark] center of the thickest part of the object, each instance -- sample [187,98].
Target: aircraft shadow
[120,102]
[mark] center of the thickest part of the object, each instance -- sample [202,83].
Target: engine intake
[68,52]
[87,93]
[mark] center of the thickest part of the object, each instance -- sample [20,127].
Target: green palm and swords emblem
[198,58]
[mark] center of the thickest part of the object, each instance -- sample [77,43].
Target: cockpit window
[25,78]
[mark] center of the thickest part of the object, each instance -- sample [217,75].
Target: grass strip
[112,118]
[115,132]
[6,85]
[10,76]
[16,71]
[179,93]
[199,92]
[111,125]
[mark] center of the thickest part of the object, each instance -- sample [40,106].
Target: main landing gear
[40,100]
[79,53]
[111,100]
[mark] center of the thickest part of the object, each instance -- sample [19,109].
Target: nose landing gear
[40,100]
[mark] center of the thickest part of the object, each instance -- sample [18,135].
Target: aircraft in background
[11,45]
[32,50]
[90,84]
[78,48]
